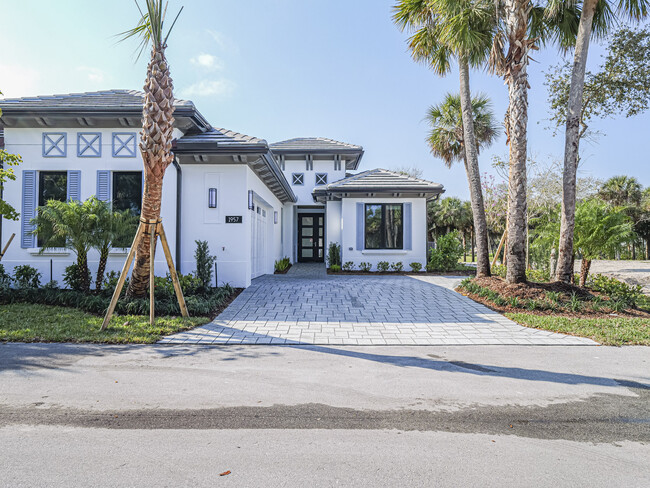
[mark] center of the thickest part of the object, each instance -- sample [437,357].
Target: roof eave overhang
[325,195]
[194,116]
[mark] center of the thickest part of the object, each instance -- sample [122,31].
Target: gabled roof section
[313,145]
[378,182]
[243,149]
[89,108]
[219,141]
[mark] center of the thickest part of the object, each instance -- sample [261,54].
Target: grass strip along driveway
[611,331]
[23,322]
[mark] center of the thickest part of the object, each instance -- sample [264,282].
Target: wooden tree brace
[154,228]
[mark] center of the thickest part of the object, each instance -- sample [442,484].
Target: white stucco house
[252,201]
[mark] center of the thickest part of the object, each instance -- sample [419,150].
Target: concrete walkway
[307,306]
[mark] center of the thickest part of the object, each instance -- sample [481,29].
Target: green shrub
[416,267]
[73,277]
[574,304]
[365,266]
[383,266]
[281,265]
[538,275]
[26,276]
[334,254]
[348,266]
[204,264]
[448,251]
[51,285]
[335,268]
[553,296]
[514,302]
[531,305]
[499,270]
[398,267]
[465,282]
[5,278]
[615,289]
[618,305]
[499,301]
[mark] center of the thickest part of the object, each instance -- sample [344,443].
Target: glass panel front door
[310,238]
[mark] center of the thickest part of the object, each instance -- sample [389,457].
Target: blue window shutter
[361,223]
[104,185]
[28,212]
[408,239]
[74,186]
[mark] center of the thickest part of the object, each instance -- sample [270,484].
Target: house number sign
[234,219]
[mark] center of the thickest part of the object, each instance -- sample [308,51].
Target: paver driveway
[306,306]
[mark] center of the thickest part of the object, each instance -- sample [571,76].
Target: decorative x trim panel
[89,144]
[55,144]
[124,144]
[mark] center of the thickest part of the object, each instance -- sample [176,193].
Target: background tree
[7,161]
[462,30]
[600,229]
[157,128]
[594,19]
[621,191]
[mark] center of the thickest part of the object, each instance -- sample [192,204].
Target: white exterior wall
[28,143]
[418,229]
[333,223]
[304,192]
[230,243]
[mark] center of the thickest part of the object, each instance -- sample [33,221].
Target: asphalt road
[86,415]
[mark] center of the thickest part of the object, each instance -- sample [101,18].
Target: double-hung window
[384,226]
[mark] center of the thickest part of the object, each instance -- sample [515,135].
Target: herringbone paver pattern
[306,306]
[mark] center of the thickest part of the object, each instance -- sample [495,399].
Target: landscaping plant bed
[463,272]
[547,299]
[283,271]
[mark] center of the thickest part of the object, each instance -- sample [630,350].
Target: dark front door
[311,238]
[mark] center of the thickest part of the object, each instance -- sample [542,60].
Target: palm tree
[70,225]
[595,18]
[463,30]
[621,191]
[112,229]
[157,127]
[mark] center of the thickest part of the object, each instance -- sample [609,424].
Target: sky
[278,69]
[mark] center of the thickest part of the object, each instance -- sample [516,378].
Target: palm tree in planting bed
[157,128]
[463,30]
[595,19]
[69,225]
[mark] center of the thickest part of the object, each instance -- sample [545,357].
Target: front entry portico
[311,237]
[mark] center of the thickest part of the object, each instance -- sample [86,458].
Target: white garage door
[259,240]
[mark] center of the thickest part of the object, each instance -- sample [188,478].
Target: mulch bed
[464,272]
[537,291]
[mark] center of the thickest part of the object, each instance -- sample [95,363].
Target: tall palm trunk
[155,145]
[517,121]
[572,141]
[473,173]
[101,268]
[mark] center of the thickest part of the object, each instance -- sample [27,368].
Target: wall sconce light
[275,217]
[251,205]
[212,198]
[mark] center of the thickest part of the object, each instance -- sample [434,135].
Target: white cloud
[206,88]
[206,61]
[94,75]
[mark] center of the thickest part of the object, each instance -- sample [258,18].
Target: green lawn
[611,331]
[24,322]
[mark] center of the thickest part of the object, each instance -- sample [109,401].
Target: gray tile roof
[381,180]
[220,139]
[313,144]
[105,99]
